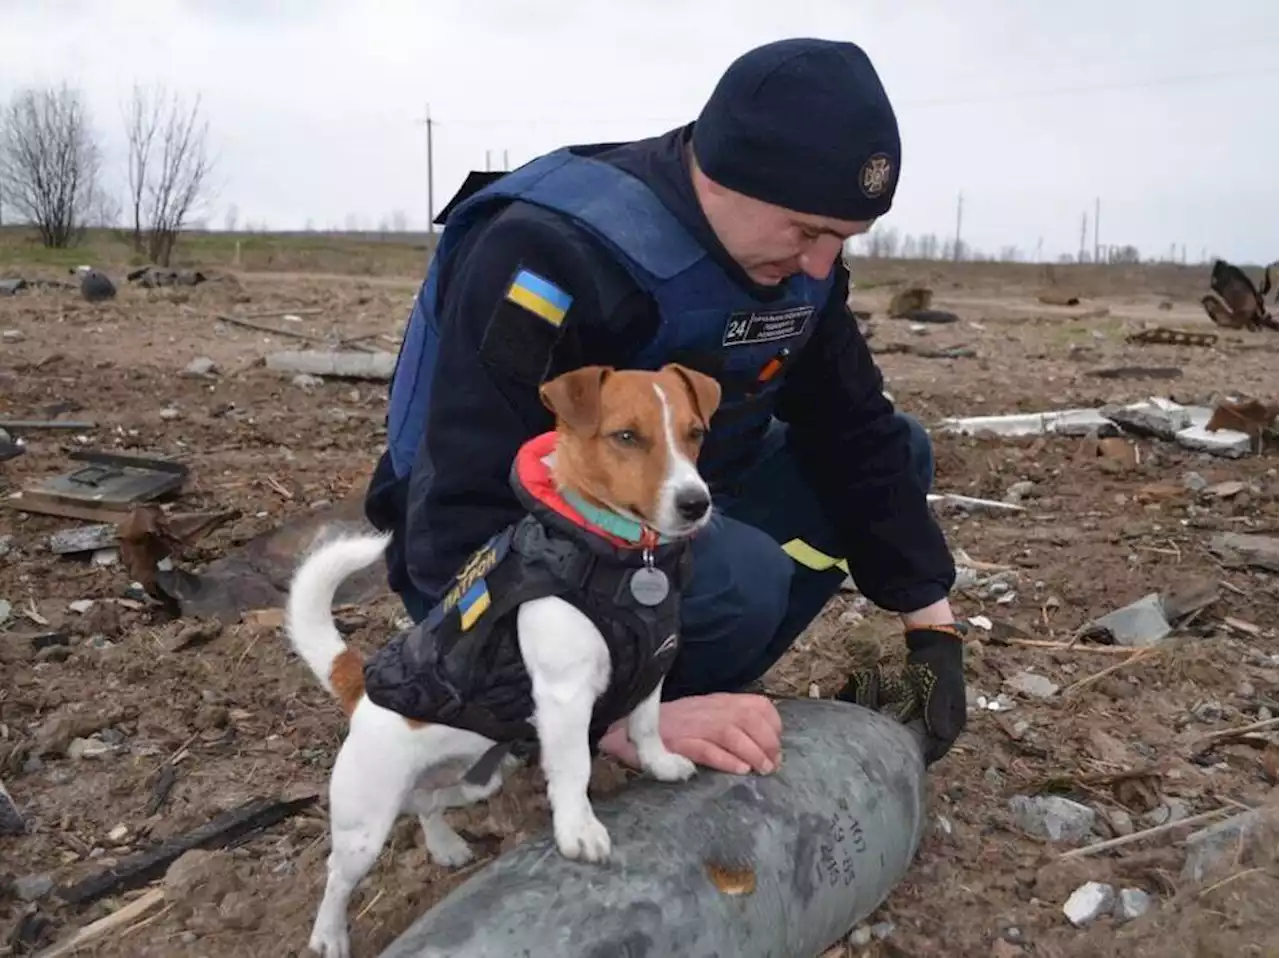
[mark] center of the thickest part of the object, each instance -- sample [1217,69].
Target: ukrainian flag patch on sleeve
[539,296]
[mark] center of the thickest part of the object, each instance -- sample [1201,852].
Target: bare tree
[169,167]
[232,217]
[49,162]
[399,221]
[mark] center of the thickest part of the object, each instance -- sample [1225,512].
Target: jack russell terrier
[556,628]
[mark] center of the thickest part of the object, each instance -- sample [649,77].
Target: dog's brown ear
[575,397]
[703,390]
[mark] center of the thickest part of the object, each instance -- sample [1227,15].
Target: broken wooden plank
[267,328]
[300,311]
[105,926]
[18,425]
[230,827]
[34,501]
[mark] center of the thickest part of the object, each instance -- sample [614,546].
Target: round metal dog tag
[649,586]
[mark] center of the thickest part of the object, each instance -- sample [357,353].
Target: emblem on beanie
[876,175]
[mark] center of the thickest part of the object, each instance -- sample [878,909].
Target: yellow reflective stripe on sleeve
[811,558]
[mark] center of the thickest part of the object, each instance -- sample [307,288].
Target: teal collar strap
[608,520]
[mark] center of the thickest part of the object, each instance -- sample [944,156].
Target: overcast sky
[1166,110]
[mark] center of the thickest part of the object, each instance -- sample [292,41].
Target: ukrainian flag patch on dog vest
[539,296]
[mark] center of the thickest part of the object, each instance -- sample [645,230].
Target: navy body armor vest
[706,320]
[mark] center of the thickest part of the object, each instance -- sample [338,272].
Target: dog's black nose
[692,504]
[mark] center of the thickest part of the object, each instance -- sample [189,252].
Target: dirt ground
[236,716]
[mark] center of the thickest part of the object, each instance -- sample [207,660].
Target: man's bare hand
[730,732]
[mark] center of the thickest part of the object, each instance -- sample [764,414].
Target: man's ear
[703,390]
[575,397]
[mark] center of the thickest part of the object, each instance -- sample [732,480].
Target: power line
[900,103]
[1093,88]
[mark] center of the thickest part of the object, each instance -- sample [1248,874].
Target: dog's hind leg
[368,790]
[445,846]
[568,664]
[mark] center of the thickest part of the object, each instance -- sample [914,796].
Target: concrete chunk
[1065,422]
[376,366]
[1223,442]
[1217,845]
[1154,417]
[1239,550]
[1133,903]
[1089,902]
[1035,686]
[1053,817]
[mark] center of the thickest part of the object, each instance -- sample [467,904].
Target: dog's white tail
[309,617]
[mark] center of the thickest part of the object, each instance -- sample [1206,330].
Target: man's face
[769,242]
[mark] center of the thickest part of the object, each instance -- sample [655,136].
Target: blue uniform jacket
[491,353]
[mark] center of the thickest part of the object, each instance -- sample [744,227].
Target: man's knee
[741,580]
[921,451]
[733,607]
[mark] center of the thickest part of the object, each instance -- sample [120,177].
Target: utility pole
[1097,216]
[431,179]
[487,167]
[955,250]
[506,163]
[1084,233]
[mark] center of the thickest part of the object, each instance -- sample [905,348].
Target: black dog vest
[461,666]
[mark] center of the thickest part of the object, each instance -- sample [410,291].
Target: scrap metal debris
[34,425]
[914,303]
[1243,305]
[1248,416]
[95,287]
[10,448]
[909,299]
[1153,617]
[255,576]
[108,483]
[148,536]
[11,822]
[154,277]
[1162,335]
[230,828]
[1136,372]
[1058,297]
[928,352]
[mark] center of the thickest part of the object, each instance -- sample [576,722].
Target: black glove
[930,688]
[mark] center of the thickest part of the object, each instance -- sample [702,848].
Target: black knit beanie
[804,124]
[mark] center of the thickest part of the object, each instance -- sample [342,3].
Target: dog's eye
[697,433]
[625,437]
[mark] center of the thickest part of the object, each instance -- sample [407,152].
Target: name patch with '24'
[747,328]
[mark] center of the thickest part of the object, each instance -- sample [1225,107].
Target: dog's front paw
[583,839]
[668,766]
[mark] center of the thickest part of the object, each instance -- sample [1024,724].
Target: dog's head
[629,440]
